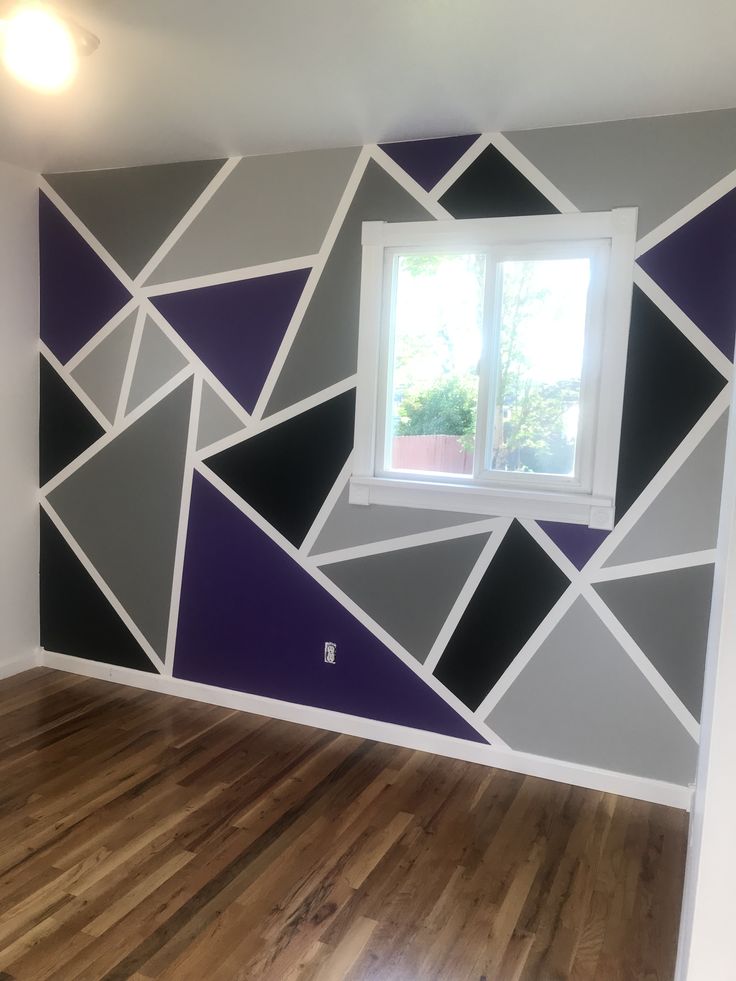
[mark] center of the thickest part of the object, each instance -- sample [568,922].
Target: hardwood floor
[147,837]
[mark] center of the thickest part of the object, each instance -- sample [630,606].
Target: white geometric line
[684,324]
[547,626]
[225,443]
[527,652]
[181,535]
[407,182]
[112,434]
[311,402]
[466,593]
[231,276]
[312,570]
[533,174]
[159,395]
[311,284]
[101,334]
[666,472]
[214,185]
[135,346]
[459,168]
[486,730]
[88,237]
[685,214]
[554,616]
[201,368]
[414,540]
[551,548]
[646,667]
[262,425]
[329,502]
[649,567]
[100,582]
[74,386]
[580,586]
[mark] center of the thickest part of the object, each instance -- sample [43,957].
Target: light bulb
[38,48]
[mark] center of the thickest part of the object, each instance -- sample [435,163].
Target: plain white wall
[18,418]
[706,949]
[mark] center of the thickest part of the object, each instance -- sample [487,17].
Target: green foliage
[530,415]
[532,430]
[530,434]
[447,409]
[420,264]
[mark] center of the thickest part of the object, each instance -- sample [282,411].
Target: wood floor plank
[147,838]
[338,964]
[131,898]
[342,783]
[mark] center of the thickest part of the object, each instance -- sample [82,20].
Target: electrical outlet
[330,652]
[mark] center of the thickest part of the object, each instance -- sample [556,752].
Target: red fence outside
[440,454]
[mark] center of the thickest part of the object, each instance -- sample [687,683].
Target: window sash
[597,252]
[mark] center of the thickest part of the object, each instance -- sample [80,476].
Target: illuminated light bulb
[38,48]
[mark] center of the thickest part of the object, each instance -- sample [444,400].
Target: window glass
[540,364]
[437,340]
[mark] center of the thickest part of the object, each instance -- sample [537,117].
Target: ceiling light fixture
[41,47]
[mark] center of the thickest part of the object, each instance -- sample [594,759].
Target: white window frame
[588,497]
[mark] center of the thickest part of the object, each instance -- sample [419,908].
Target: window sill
[574,508]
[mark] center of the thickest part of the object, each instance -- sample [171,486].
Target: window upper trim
[609,237]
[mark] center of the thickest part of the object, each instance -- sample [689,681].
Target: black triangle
[518,590]
[669,385]
[76,618]
[286,472]
[66,428]
[492,187]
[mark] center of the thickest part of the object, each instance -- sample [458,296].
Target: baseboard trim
[19,664]
[625,785]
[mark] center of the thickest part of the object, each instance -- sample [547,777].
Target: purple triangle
[578,542]
[236,329]
[79,293]
[427,161]
[695,267]
[251,619]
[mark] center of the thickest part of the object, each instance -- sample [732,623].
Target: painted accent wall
[198,358]
[18,418]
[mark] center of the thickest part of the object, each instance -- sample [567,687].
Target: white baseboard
[16,665]
[640,788]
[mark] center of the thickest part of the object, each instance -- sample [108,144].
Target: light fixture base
[87,42]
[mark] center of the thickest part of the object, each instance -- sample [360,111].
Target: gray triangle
[357,524]
[659,164]
[272,207]
[122,507]
[101,373]
[583,700]
[684,516]
[410,591]
[132,210]
[667,614]
[157,362]
[216,420]
[325,349]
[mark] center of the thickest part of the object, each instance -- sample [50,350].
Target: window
[491,364]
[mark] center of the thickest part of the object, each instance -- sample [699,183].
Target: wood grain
[146,837]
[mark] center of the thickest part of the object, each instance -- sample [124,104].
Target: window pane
[543,308]
[438,317]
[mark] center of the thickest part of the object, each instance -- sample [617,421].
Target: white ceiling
[187,79]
